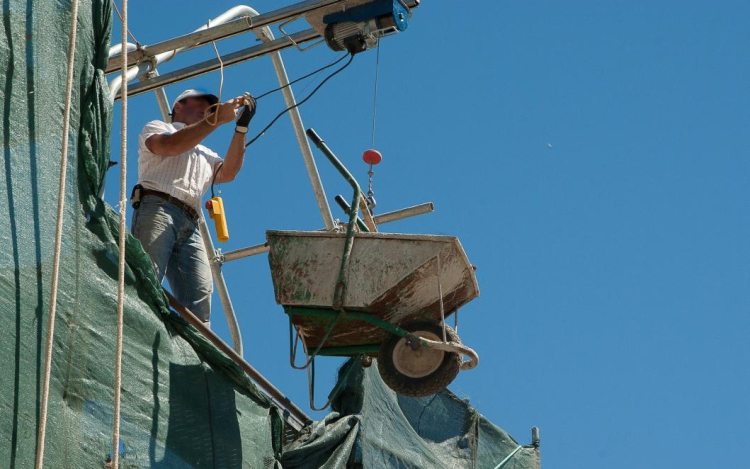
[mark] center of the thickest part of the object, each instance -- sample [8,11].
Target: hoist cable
[302,77]
[254,139]
[375,98]
[370,173]
[320,85]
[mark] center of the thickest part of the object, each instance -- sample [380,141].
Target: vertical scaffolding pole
[215,262]
[304,145]
[221,287]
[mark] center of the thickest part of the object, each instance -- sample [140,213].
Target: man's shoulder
[157,125]
[153,128]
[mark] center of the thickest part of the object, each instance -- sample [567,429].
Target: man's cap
[212,99]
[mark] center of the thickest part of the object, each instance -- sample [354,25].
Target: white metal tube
[221,287]
[245,252]
[226,25]
[133,73]
[404,213]
[161,98]
[146,66]
[227,60]
[304,144]
[116,50]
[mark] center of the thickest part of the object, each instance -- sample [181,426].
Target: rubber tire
[427,385]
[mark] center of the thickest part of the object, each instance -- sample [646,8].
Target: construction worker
[174,172]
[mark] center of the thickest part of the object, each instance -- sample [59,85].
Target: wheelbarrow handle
[340,290]
[471,356]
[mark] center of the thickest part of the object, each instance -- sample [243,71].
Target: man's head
[190,106]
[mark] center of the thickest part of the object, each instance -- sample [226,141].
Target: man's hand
[226,112]
[246,115]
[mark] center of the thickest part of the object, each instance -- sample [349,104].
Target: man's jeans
[173,240]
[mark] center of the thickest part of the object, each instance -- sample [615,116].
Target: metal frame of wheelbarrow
[339,314]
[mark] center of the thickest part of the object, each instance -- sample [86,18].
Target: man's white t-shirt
[185,176]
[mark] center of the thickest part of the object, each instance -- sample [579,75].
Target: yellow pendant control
[215,208]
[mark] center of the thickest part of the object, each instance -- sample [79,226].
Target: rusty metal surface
[392,276]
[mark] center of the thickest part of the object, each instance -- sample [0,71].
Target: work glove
[245,116]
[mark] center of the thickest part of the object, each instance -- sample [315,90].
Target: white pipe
[133,73]
[228,28]
[304,144]
[116,50]
[161,98]
[404,213]
[221,287]
[245,252]
[147,66]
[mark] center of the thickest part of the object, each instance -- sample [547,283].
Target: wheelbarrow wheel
[420,372]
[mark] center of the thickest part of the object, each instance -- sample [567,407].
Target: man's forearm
[234,159]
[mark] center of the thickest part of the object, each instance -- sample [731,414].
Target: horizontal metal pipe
[115,52]
[404,213]
[133,72]
[207,35]
[144,67]
[214,64]
[300,417]
[245,252]
[223,31]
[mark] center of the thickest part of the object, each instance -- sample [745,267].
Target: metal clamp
[219,258]
[289,36]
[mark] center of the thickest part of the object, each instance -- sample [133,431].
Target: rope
[300,103]
[114,4]
[123,231]
[221,87]
[442,308]
[58,239]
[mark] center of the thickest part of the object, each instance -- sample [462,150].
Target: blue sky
[592,157]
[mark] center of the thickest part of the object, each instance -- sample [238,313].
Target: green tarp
[185,405]
[373,427]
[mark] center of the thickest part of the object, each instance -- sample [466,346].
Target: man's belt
[180,204]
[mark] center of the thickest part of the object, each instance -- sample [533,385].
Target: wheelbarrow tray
[390,277]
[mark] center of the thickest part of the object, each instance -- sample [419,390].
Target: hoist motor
[359,28]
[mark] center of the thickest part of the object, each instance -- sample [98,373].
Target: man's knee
[201,302]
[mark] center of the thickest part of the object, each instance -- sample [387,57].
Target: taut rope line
[58,240]
[123,232]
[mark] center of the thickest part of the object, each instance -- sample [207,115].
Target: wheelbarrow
[376,295]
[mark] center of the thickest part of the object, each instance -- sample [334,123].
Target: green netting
[373,427]
[185,405]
